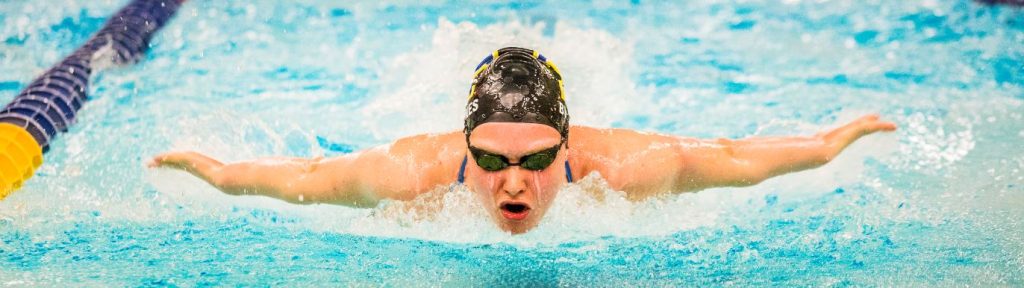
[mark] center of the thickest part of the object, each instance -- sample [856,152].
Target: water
[937,203]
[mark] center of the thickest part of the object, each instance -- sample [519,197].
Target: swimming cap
[517,85]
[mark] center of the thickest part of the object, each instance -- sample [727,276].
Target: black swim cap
[517,85]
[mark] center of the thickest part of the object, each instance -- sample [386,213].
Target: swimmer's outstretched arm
[750,161]
[401,171]
[673,164]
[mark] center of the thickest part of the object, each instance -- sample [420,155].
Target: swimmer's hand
[845,135]
[187,160]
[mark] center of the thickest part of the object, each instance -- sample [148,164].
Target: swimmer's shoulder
[604,150]
[438,156]
[403,169]
[591,149]
[608,141]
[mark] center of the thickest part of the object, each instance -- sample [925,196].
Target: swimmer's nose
[514,182]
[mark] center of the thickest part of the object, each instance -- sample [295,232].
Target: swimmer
[517,149]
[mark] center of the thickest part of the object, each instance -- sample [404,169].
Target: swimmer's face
[516,198]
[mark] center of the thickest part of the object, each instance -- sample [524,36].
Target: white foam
[431,85]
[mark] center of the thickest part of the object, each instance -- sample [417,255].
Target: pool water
[940,202]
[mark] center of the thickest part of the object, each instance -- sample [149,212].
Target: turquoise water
[937,203]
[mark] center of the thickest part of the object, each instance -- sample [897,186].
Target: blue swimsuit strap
[462,170]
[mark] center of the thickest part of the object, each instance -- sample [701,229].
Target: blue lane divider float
[49,104]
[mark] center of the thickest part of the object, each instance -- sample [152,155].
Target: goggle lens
[491,162]
[536,161]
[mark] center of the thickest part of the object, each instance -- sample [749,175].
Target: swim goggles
[535,162]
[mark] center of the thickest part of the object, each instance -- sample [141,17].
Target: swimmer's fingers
[180,160]
[865,125]
[197,164]
[872,123]
[170,159]
[884,126]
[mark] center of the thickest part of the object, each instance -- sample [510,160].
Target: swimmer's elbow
[218,178]
[727,146]
[234,179]
[749,176]
[227,182]
[751,179]
[732,180]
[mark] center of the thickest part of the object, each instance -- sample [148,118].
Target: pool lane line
[49,104]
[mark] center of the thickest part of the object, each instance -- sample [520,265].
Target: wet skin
[639,164]
[505,192]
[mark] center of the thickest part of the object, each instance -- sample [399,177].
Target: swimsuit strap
[462,170]
[568,172]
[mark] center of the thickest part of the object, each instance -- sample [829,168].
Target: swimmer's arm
[295,180]
[745,162]
[360,179]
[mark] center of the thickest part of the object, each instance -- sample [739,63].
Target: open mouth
[515,211]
